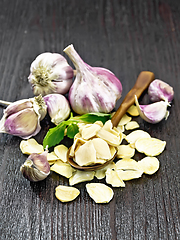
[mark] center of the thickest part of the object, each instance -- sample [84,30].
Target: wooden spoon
[142,83]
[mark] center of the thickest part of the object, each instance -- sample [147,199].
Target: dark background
[126,37]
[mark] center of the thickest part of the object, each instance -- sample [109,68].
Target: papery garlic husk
[159,90]
[50,73]
[22,118]
[36,167]
[94,89]
[153,113]
[58,107]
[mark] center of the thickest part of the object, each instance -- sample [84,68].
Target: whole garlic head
[94,89]
[50,73]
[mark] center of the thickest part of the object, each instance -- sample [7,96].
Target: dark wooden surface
[126,37]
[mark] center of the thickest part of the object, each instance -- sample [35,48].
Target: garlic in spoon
[50,73]
[153,113]
[94,89]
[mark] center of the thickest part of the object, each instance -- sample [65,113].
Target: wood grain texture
[126,37]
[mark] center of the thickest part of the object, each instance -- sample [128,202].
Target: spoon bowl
[90,167]
[141,84]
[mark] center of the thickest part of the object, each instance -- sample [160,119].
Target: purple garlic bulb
[36,167]
[153,113]
[57,107]
[94,89]
[159,90]
[50,73]
[22,118]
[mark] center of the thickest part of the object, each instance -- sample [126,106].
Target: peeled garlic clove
[153,113]
[90,130]
[133,111]
[128,164]
[36,167]
[124,120]
[102,148]
[50,73]
[86,154]
[31,146]
[101,173]
[127,175]
[150,165]
[159,90]
[113,178]
[22,118]
[125,151]
[62,168]
[99,192]
[131,125]
[135,135]
[58,107]
[94,89]
[81,176]
[61,151]
[66,193]
[150,146]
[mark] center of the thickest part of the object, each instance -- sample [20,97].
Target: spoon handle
[142,82]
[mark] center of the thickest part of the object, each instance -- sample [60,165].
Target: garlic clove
[66,193]
[58,107]
[62,168]
[159,90]
[153,113]
[99,192]
[113,178]
[36,167]
[31,146]
[94,89]
[150,146]
[22,118]
[81,176]
[18,124]
[50,73]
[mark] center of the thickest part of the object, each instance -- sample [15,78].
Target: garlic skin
[153,113]
[50,73]
[36,167]
[94,89]
[58,107]
[22,118]
[159,90]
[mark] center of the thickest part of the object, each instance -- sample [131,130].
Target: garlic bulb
[22,118]
[36,167]
[159,90]
[57,107]
[50,73]
[153,113]
[94,89]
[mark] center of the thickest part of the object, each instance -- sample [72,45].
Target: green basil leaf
[54,135]
[93,117]
[72,129]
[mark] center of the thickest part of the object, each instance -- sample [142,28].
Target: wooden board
[126,37]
